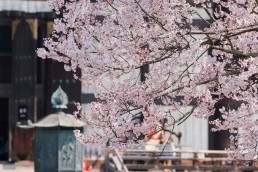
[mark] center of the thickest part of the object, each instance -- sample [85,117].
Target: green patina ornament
[59,99]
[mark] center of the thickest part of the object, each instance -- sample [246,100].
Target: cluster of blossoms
[109,41]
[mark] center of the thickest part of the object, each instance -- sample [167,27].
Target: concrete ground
[20,166]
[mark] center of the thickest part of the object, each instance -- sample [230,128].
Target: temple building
[26,81]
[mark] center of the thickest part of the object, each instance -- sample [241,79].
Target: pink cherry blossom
[110,40]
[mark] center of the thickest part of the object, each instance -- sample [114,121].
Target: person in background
[157,135]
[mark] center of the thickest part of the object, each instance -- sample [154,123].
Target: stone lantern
[56,148]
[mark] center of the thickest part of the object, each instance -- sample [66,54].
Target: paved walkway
[19,166]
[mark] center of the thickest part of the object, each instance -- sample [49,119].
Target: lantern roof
[59,119]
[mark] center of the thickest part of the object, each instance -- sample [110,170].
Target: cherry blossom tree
[109,41]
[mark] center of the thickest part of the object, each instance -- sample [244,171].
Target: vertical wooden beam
[49,28]
[15,24]
[11,112]
[33,23]
[24,34]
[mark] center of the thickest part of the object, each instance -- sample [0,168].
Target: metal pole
[10,131]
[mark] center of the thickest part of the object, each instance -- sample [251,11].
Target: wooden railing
[114,162]
[200,160]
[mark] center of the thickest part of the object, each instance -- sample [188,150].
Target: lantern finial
[59,99]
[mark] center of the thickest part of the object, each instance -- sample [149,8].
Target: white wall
[194,131]
[25,6]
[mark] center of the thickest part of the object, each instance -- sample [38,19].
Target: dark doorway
[3,129]
[220,140]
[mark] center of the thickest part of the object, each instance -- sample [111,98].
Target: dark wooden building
[26,81]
